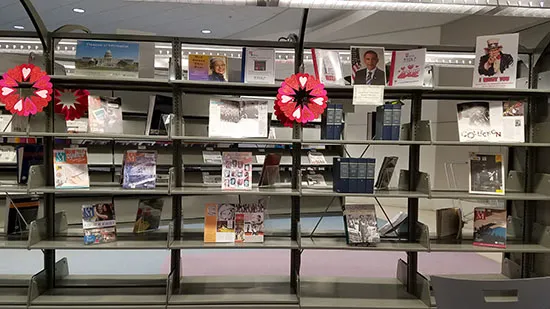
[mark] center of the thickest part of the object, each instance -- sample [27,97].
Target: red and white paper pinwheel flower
[25,76]
[71,109]
[301,98]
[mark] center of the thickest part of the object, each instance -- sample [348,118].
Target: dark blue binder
[362,175]
[396,121]
[353,175]
[371,167]
[340,175]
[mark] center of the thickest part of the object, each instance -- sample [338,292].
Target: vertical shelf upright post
[412,203]
[177,162]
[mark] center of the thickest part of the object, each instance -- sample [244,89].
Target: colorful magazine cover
[219,223]
[259,65]
[71,168]
[253,216]
[487,175]
[407,67]
[148,215]
[139,169]
[105,115]
[208,68]
[237,171]
[99,223]
[102,58]
[361,225]
[490,227]
[495,62]
[327,66]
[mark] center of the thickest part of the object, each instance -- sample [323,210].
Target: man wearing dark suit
[371,75]
[494,61]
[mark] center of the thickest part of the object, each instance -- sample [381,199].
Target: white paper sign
[368,95]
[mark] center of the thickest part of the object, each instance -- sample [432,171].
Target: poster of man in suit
[368,66]
[496,57]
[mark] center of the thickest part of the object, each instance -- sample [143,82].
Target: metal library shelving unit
[54,287]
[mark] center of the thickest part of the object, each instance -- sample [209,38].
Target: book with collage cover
[99,223]
[237,171]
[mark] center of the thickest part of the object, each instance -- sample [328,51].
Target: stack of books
[353,175]
[332,122]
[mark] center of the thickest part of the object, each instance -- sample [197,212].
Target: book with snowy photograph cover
[99,223]
[148,215]
[487,175]
[139,169]
[497,121]
[490,227]
[237,118]
[360,224]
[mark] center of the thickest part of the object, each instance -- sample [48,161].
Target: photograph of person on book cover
[368,66]
[486,174]
[217,70]
[105,212]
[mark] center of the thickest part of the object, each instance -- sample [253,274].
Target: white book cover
[407,67]
[237,118]
[259,65]
[71,168]
[487,174]
[328,68]
[495,62]
[212,157]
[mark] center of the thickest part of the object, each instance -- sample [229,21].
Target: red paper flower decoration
[75,109]
[301,98]
[25,76]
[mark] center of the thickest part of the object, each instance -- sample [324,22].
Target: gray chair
[453,293]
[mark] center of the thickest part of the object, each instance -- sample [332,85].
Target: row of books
[332,122]
[387,122]
[234,222]
[353,175]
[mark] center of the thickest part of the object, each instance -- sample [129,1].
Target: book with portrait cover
[487,175]
[495,62]
[259,65]
[148,215]
[99,223]
[327,66]
[237,171]
[105,115]
[21,211]
[407,67]
[490,227]
[71,168]
[208,68]
[238,118]
[139,170]
[360,224]
[368,66]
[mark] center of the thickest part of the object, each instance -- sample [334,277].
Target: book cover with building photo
[490,227]
[103,58]
[360,224]
[99,223]
[487,175]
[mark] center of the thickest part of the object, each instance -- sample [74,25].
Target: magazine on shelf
[237,171]
[487,174]
[102,58]
[316,158]
[99,223]
[105,114]
[21,211]
[407,67]
[212,157]
[368,66]
[148,215]
[315,180]
[139,170]
[8,154]
[219,223]
[500,121]
[270,170]
[393,224]
[71,168]
[259,65]
[495,62]
[252,217]
[327,66]
[227,223]
[490,227]
[386,173]
[208,68]
[78,125]
[211,180]
[360,224]
[237,118]
[28,155]
[159,108]
[449,223]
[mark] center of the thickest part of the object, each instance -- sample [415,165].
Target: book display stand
[180,160]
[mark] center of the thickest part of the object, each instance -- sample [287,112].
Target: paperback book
[495,63]
[99,223]
[259,65]
[160,107]
[315,180]
[101,58]
[208,68]
[148,215]
[449,224]
[386,173]
[105,115]
[327,66]
[270,170]
[71,168]
[219,223]
[250,219]
[28,155]
[21,211]
[316,158]
[490,227]
[238,118]
[237,171]
[360,224]
[212,157]
[487,175]
[491,121]
[407,67]
[227,223]
[368,66]
[394,224]
[139,169]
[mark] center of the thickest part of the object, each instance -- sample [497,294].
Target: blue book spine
[336,176]
[362,177]
[378,132]
[387,122]
[243,65]
[371,167]
[338,120]
[353,175]
[396,122]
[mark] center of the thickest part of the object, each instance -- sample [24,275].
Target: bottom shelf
[14,291]
[234,292]
[337,292]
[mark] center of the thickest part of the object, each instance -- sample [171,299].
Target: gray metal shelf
[229,88]
[365,142]
[339,243]
[78,244]
[119,83]
[269,243]
[218,191]
[14,291]
[97,190]
[100,136]
[390,193]
[13,244]
[244,140]
[517,196]
[469,247]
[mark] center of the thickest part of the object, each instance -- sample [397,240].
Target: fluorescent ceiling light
[78,10]
[18,27]
[206,31]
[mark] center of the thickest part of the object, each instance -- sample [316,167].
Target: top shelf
[244,89]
